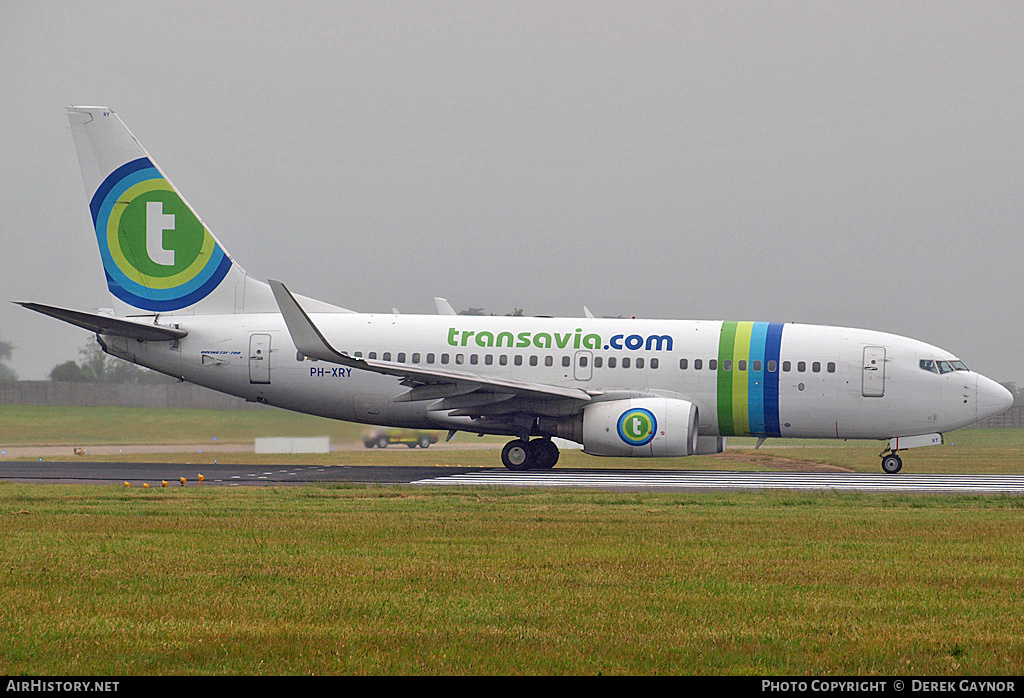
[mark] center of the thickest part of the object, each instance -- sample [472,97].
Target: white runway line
[858,482]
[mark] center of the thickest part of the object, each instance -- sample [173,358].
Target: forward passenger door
[873,372]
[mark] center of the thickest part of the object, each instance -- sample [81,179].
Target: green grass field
[982,451]
[372,580]
[101,580]
[26,425]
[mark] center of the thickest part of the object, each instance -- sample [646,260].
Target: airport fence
[171,395]
[1013,418]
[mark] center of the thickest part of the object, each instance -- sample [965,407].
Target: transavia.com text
[913,685]
[62,686]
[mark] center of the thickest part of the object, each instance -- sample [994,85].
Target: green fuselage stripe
[726,347]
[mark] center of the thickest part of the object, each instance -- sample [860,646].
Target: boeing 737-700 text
[640,388]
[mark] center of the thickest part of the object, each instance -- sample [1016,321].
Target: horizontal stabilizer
[104,324]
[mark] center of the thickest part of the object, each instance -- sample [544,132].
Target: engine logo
[637,426]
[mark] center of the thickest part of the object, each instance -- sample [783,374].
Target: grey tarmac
[153,474]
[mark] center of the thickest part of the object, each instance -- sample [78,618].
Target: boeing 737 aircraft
[641,388]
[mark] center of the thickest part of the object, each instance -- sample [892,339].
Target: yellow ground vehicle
[382,438]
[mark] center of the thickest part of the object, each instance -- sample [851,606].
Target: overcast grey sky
[848,163]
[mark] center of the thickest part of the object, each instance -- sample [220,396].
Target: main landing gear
[538,454]
[891,463]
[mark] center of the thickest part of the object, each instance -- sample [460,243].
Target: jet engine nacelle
[640,427]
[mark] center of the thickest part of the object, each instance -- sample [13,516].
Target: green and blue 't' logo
[637,426]
[156,253]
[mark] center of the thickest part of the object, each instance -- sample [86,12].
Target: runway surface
[155,474]
[724,481]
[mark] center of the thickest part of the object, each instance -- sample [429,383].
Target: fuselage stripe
[740,393]
[755,378]
[772,354]
[748,391]
[726,343]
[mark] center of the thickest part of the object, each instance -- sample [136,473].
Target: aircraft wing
[104,324]
[310,342]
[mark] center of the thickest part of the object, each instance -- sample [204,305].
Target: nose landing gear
[891,463]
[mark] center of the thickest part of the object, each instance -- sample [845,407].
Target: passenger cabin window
[816,367]
[756,366]
[698,364]
[727,365]
[566,361]
[387,356]
[831,367]
[683,363]
[712,364]
[445,358]
[625,362]
[801,366]
[654,363]
[598,362]
[772,366]
[611,361]
[430,358]
[787,366]
[503,360]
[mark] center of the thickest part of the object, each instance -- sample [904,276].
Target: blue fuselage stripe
[772,352]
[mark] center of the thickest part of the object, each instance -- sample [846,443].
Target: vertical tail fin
[157,254]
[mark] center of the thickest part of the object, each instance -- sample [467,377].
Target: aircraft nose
[993,398]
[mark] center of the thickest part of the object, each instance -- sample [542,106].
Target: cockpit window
[936,366]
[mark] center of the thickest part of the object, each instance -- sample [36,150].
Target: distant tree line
[6,372]
[1018,393]
[516,312]
[95,366]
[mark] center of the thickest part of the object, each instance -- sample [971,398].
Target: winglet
[305,335]
[443,306]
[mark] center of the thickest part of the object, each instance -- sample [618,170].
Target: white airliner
[641,388]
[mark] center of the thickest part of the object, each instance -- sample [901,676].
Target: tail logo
[157,254]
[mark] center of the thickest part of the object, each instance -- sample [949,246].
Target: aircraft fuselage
[747,379]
